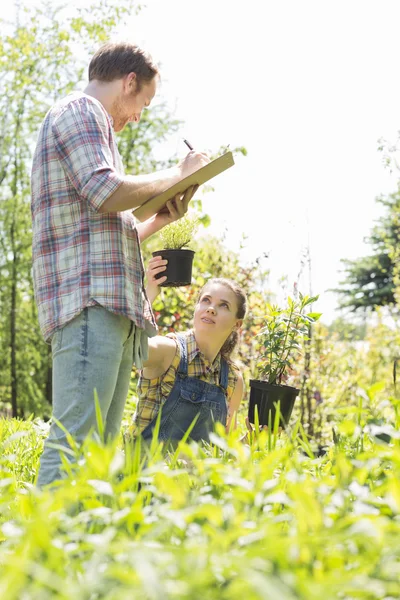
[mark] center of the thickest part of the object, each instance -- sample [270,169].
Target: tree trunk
[13,340]
[14,272]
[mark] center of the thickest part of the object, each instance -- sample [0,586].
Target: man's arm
[137,189]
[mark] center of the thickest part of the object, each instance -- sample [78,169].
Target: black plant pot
[266,396]
[179,267]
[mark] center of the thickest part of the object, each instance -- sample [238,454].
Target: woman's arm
[161,349]
[155,266]
[234,404]
[161,354]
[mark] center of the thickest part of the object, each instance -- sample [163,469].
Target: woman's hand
[156,265]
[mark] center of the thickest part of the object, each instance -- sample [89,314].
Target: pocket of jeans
[193,397]
[197,402]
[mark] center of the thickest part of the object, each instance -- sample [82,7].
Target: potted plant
[175,237]
[280,339]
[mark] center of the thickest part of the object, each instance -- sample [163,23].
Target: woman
[191,375]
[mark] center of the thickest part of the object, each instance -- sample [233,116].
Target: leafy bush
[282,335]
[179,234]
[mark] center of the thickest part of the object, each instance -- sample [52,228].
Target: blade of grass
[183,441]
[99,416]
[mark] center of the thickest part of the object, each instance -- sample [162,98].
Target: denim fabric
[93,351]
[190,398]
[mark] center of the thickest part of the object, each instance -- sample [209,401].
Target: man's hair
[114,60]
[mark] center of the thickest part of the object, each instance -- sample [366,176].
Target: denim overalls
[190,397]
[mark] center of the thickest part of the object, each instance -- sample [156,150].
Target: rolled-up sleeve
[82,143]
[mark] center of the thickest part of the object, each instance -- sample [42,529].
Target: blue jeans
[93,351]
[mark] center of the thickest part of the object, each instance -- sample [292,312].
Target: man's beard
[119,117]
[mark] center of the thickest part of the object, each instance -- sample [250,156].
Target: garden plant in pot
[280,345]
[175,238]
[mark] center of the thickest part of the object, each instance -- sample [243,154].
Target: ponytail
[229,345]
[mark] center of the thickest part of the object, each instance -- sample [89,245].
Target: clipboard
[155,204]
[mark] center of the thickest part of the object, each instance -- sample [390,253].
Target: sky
[308,88]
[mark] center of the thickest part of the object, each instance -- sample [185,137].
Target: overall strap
[223,374]
[183,364]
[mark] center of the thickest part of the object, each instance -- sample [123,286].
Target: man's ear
[130,80]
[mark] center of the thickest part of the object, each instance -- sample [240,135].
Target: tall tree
[370,281]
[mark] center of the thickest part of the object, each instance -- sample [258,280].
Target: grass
[226,521]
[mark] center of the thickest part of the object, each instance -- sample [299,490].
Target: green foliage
[179,234]
[347,330]
[368,283]
[33,56]
[281,337]
[341,372]
[197,522]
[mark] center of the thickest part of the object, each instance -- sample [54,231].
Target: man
[87,265]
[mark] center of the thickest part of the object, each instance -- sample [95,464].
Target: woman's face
[216,311]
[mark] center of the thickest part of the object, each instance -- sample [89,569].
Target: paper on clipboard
[155,204]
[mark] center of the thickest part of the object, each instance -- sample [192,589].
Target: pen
[188,145]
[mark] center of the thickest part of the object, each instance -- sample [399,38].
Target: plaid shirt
[82,257]
[152,393]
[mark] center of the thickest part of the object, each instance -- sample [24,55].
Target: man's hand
[176,208]
[156,265]
[192,162]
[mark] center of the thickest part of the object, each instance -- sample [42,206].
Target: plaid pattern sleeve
[152,393]
[82,143]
